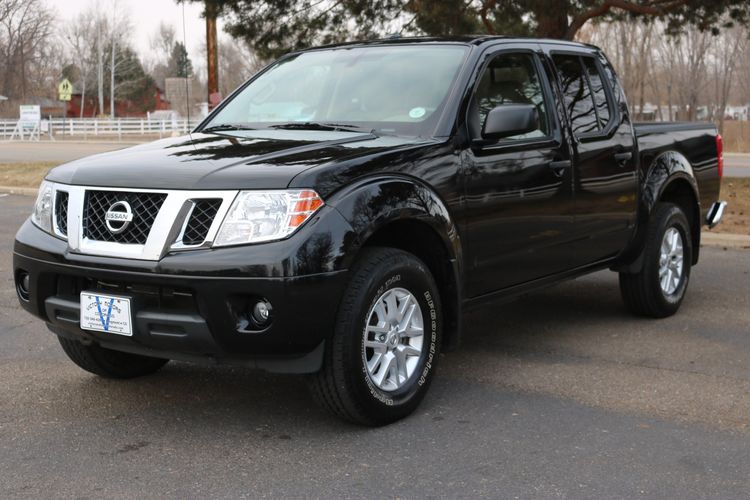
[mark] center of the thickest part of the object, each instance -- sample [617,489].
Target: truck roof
[463,39]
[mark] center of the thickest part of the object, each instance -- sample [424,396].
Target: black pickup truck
[337,214]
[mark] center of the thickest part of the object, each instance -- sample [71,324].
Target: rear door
[519,209]
[604,178]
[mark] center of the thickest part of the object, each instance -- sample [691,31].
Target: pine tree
[273,27]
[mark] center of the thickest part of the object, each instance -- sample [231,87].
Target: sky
[145,16]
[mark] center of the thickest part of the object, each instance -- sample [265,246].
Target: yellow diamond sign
[65,90]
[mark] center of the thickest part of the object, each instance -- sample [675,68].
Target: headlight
[257,216]
[42,215]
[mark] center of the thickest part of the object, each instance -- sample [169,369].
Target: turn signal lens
[307,204]
[258,216]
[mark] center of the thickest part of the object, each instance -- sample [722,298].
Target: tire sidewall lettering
[430,317]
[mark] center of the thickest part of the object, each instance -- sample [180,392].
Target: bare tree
[628,44]
[120,25]
[25,35]
[80,36]
[726,55]
[237,63]
[162,42]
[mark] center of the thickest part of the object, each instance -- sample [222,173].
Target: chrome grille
[145,208]
[201,218]
[61,212]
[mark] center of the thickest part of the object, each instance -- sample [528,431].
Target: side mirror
[510,119]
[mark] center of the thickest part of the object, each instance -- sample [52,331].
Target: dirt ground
[736,137]
[736,191]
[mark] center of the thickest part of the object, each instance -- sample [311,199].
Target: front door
[519,207]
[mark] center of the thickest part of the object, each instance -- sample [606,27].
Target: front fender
[373,203]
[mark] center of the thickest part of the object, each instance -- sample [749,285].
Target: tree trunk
[552,22]
[212,54]
[83,96]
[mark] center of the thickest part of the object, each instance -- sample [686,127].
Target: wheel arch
[404,213]
[669,178]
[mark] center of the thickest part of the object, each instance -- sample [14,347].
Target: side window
[508,79]
[585,94]
[578,100]
[598,91]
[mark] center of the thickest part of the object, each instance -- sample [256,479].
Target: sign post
[65,94]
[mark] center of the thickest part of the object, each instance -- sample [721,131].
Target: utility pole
[212,50]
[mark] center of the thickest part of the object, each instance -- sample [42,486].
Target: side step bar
[715,213]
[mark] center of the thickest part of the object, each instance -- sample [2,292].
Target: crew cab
[337,214]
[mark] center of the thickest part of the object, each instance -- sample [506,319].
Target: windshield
[388,89]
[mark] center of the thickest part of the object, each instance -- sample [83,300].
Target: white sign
[29,113]
[106,313]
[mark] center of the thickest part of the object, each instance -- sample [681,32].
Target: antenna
[187,77]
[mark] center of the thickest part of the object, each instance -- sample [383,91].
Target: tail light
[720,154]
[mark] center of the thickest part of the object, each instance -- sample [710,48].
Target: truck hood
[262,159]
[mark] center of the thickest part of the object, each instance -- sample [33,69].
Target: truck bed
[693,140]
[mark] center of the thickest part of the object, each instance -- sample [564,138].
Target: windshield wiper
[321,126]
[226,126]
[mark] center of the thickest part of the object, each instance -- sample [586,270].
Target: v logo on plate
[105,322]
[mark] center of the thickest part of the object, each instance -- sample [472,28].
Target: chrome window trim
[167,226]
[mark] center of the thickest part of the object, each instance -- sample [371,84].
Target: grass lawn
[24,174]
[734,190]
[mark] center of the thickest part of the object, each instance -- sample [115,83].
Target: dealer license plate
[106,313]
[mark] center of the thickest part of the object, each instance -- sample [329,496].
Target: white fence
[120,128]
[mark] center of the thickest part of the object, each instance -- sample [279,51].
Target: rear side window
[598,92]
[584,92]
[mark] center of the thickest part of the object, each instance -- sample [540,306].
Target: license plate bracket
[106,313]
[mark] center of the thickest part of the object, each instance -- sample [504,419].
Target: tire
[344,385]
[108,363]
[644,293]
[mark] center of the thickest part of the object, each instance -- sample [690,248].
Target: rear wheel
[108,363]
[659,288]
[382,356]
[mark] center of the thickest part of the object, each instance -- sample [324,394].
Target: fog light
[262,313]
[24,285]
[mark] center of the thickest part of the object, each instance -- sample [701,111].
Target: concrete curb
[725,240]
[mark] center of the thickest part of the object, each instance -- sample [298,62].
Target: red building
[123,107]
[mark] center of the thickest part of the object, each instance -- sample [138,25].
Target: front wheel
[659,288]
[382,356]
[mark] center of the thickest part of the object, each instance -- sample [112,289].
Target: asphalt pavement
[558,394]
[737,165]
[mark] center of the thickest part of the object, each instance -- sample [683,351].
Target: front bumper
[192,316]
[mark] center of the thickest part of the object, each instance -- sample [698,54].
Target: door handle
[623,158]
[559,166]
